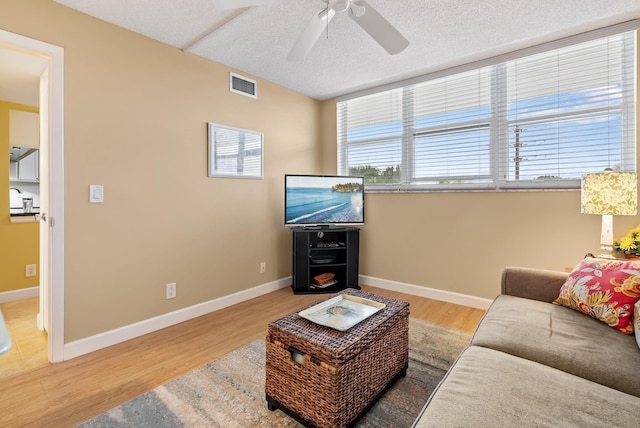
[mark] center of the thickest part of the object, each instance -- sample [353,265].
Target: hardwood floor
[67,393]
[29,345]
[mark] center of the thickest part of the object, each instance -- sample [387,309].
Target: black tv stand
[325,249]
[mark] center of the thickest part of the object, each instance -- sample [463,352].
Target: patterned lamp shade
[610,193]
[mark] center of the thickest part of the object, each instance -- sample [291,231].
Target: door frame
[54,280]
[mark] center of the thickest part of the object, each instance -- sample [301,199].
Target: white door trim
[55,56]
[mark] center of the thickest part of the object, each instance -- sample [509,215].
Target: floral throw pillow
[606,289]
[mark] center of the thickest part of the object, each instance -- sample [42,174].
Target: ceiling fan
[360,11]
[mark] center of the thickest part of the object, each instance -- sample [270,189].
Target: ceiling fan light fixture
[363,14]
[341,5]
[357,10]
[322,15]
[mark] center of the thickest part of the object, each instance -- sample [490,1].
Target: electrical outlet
[30,270]
[263,267]
[171,290]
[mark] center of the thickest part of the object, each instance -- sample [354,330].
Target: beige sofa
[533,363]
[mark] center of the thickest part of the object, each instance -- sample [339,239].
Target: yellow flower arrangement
[630,243]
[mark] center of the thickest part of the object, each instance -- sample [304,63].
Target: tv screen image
[321,199]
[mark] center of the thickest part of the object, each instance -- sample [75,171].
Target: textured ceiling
[442,33]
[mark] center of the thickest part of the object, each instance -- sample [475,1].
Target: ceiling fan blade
[237,4]
[310,35]
[378,27]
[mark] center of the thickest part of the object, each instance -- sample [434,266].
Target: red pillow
[605,289]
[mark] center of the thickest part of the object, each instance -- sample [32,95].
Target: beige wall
[135,121]
[328,132]
[461,242]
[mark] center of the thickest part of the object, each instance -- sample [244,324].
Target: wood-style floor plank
[29,345]
[67,393]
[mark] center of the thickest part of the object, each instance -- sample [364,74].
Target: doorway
[51,289]
[20,75]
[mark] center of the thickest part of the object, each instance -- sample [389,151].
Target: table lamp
[609,193]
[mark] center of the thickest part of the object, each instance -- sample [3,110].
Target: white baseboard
[112,337]
[430,293]
[23,293]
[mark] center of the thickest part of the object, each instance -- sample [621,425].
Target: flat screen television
[323,200]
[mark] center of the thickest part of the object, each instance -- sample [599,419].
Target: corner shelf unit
[318,250]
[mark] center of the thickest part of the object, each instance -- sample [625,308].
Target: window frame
[498,123]
[217,172]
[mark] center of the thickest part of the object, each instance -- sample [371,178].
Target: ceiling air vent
[242,85]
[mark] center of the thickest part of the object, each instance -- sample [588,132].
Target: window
[536,121]
[234,152]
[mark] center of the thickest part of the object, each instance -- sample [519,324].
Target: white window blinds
[538,121]
[234,152]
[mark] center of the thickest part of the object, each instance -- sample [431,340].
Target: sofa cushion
[561,338]
[487,388]
[605,289]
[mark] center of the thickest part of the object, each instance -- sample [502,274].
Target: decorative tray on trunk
[341,312]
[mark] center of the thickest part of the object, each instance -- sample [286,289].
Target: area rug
[229,392]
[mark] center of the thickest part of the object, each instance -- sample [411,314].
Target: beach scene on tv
[316,200]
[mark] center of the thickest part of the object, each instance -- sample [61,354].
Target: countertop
[20,212]
[17,215]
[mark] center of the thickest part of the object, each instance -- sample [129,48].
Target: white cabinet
[24,144]
[28,167]
[24,129]
[13,170]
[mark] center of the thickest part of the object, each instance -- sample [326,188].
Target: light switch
[96,193]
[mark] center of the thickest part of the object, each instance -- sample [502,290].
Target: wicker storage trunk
[328,378]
